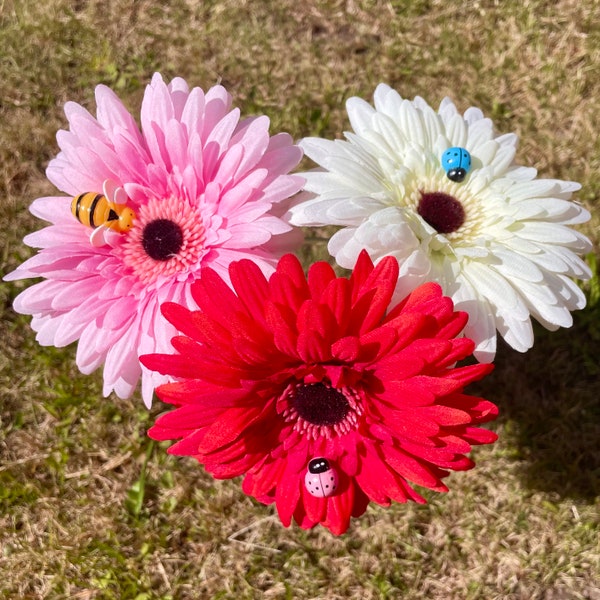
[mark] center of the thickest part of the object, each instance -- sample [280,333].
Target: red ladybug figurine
[321,479]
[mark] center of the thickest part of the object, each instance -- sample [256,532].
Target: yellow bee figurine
[95,210]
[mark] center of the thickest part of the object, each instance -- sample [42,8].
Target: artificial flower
[204,187]
[316,390]
[493,235]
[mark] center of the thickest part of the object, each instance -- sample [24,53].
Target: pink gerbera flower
[317,391]
[205,188]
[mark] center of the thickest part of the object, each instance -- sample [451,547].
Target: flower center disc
[442,211]
[162,239]
[320,405]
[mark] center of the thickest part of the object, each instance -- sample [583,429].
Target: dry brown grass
[524,525]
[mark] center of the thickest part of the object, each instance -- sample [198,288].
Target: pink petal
[51,208]
[193,112]
[112,115]
[255,142]
[217,104]
[222,131]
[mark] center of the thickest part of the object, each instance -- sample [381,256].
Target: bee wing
[114,192]
[103,236]
[97,237]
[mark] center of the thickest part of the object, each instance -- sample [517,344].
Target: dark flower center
[162,239]
[319,404]
[442,211]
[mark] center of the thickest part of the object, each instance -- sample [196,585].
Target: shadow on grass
[549,400]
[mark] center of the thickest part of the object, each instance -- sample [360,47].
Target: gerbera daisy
[200,187]
[317,391]
[441,192]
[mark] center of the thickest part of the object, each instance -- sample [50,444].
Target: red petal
[468,374]
[408,423]
[362,269]
[413,469]
[159,433]
[251,287]
[180,317]
[346,349]
[214,371]
[319,276]
[438,386]
[426,299]
[454,444]
[314,508]
[408,327]
[188,446]
[312,348]
[440,456]
[232,424]
[478,436]
[215,298]
[361,501]
[431,350]
[265,479]
[454,326]
[171,364]
[187,347]
[376,480]
[461,348]
[287,494]
[252,344]
[337,297]
[461,463]
[372,300]
[406,393]
[282,322]
[376,343]
[231,460]
[190,417]
[209,332]
[339,509]
[445,415]
[398,367]
[314,326]
[481,410]
[288,286]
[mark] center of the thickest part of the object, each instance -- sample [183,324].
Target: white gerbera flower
[441,192]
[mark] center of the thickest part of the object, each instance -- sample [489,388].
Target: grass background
[90,508]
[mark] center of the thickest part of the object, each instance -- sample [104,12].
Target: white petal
[539,188]
[456,130]
[474,115]
[518,173]
[387,100]
[550,316]
[360,114]
[513,264]
[480,327]
[549,233]
[518,334]
[485,152]
[447,109]
[353,211]
[480,133]
[499,292]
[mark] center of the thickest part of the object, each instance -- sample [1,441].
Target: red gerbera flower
[318,392]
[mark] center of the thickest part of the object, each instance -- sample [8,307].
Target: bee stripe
[93,208]
[78,206]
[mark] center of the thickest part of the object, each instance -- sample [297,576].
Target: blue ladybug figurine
[457,163]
